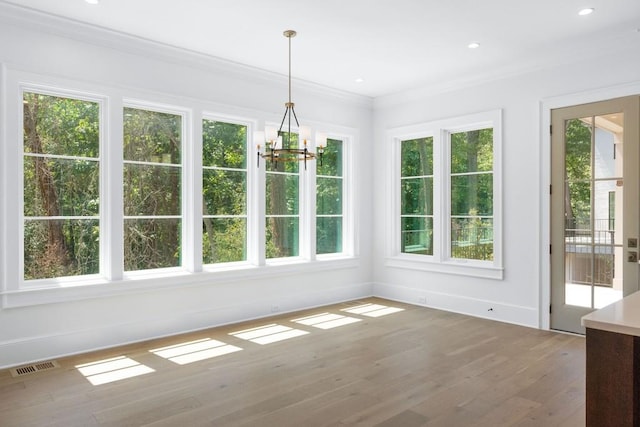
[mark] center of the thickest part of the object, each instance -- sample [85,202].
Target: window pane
[472,194]
[578,149]
[417,196]
[150,136]
[578,211]
[282,194]
[472,151]
[61,126]
[331,159]
[223,144]
[151,190]
[151,243]
[61,187]
[224,240]
[224,192]
[329,196]
[282,237]
[57,248]
[603,224]
[472,238]
[417,235]
[328,235]
[417,157]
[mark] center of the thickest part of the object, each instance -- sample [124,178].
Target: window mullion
[308,210]
[192,191]
[440,183]
[112,212]
[256,203]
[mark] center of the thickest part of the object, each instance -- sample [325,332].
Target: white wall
[79,320]
[45,46]
[519,297]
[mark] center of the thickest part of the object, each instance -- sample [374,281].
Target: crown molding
[37,21]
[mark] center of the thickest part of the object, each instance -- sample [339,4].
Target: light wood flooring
[416,367]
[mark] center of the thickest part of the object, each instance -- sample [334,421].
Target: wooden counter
[613,364]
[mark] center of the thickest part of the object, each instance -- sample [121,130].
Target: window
[416,192]
[152,189]
[446,209]
[61,175]
[329,199]
[471,194]
[114,190]
[282,205]
[224,192]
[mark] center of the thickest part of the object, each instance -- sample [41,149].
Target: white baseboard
[519,315]
[66,343]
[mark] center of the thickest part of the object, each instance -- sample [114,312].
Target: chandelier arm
[286,111]
[293,110]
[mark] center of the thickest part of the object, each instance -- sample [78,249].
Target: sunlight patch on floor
[268,334]
[195,351]
[326,320]
[372,310]
[110,370]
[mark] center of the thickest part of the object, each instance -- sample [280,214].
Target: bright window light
[110,370]
[268,334]
[194,351]
[372,310]
[326,320]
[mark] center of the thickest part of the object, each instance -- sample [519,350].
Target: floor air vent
[31,369]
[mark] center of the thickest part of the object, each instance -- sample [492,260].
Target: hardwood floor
[415,367]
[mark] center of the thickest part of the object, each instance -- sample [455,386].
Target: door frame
[546,105]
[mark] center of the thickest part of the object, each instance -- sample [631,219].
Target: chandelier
[279,150]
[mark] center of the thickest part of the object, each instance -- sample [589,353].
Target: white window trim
[441,261]
[252,210]
[102,161]
[186,221]
[14,292]
[348,223]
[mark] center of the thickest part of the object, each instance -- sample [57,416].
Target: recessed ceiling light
[586,11]
[359,80]
[473,45]
[92,1]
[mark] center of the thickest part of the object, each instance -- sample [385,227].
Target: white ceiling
[392,44]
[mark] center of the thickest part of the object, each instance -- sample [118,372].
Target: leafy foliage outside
[62,191]
[224,192]
[61,194]
[282,205]
[578,175]
[329,183]
[152,189]
[472,195]
[416,192]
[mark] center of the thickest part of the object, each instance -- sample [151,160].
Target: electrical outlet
[422,299]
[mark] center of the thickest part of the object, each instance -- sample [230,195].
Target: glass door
[594,208]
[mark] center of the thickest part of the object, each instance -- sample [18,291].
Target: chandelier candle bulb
[271,133]
[305,133]
[258,137]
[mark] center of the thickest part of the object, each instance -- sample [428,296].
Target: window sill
[89,287]
[458,267]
